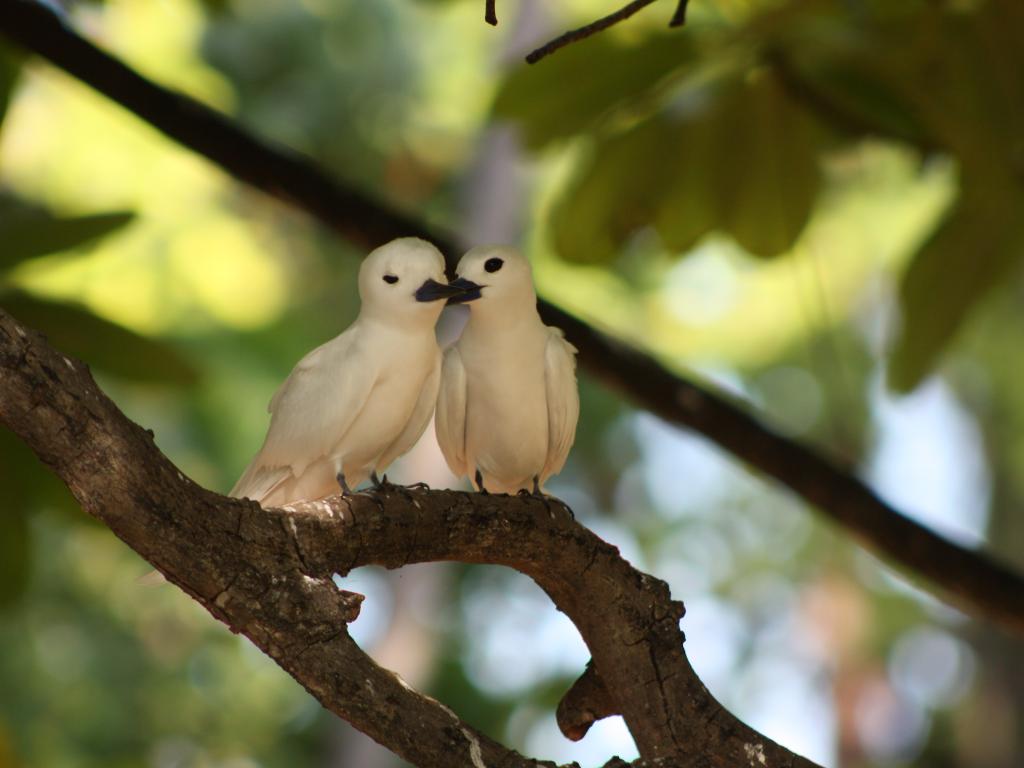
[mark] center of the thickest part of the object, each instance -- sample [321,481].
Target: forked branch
[267,573]
[581,33]
[969,578]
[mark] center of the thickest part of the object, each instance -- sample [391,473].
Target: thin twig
[679,17]
[490,16]
[575,35]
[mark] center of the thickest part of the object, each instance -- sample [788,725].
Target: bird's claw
[537,493]
[404,492]
[386,486]
[480,483]
[370,493]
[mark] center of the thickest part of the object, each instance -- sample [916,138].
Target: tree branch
[267,573]
[581,33]
[575,35]
[971,579]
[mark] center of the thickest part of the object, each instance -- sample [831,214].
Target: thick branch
[267,574]
[971,579]
[242,563]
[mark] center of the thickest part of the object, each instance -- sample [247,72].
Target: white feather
[450,421]
[418,420]
[508,405]
[563,399]
[359,401]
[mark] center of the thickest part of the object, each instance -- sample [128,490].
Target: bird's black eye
[493,265]
[391,279]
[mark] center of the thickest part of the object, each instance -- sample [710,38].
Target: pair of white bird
[505,393]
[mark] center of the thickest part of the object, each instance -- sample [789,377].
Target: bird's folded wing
[259,481]
[450,420]
[418,419]
[318,402]
[563,399]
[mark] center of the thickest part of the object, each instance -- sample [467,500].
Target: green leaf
[604,75]
[960,74]
[101,343]
[976,245]
[766,174]
[687,210]
[859,100]
[613,193]
[744,159]
[28,230]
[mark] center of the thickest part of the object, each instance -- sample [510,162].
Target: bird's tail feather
[259,481]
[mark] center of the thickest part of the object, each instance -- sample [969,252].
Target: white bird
[355,404]
[508,406]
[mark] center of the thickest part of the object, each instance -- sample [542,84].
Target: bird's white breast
[506,407]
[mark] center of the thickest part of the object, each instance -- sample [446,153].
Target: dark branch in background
[973,580]
[489,14]
[267,573]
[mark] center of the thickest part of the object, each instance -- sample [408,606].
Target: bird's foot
[405,491]
[479,478]
[345,490]
[537,493]
[385,486]
[372,494]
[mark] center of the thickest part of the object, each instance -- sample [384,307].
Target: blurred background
[817,206]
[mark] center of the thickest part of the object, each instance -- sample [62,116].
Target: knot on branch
[320,598]
[586,702]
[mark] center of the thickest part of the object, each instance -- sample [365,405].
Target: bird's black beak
[432,290]
[467,291]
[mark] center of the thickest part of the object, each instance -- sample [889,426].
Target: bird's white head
[403,282]
[494,277]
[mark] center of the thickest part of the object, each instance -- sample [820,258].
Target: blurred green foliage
[773,183]
[724,129]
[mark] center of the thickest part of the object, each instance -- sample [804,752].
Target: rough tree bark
[267,573]
[969,578]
